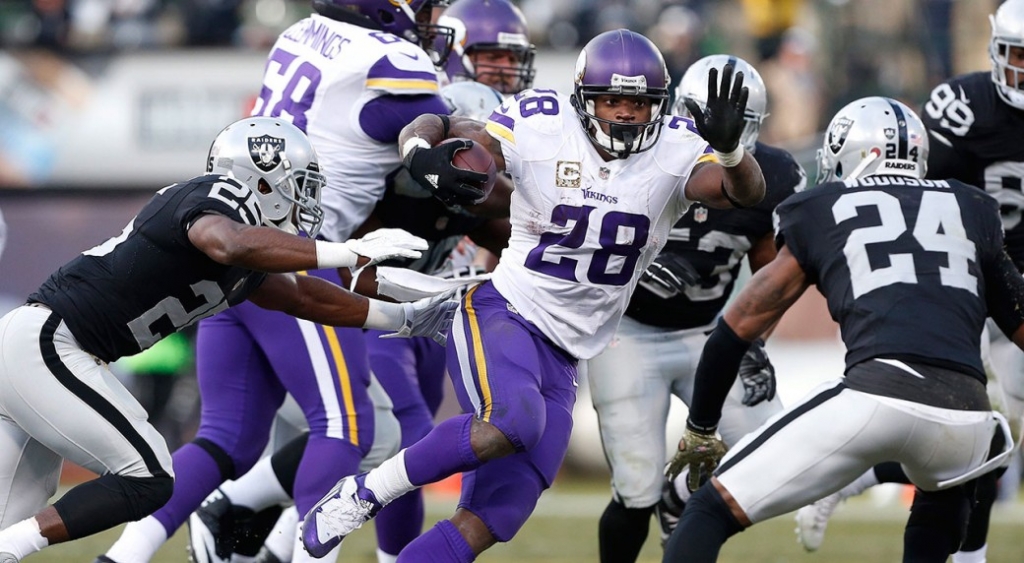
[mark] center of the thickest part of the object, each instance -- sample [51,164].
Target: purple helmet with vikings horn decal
[623,63]
[408,19]
[492,45]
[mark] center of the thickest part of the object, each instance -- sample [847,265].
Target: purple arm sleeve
[384,117]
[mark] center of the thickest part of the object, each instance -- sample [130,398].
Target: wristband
[709,430]
[414,143]
[730,159]
[382,315]
[334,255]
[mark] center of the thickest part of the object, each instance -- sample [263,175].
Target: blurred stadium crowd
[815,55]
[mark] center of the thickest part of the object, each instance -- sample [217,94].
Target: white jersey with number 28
[583,230]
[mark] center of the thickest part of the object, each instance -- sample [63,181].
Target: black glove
[669,275]
[757,374]
[433,169]
[721,121]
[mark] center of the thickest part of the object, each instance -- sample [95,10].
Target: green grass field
[564,530]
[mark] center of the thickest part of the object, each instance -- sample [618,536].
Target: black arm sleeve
[1004,294]
[716,372]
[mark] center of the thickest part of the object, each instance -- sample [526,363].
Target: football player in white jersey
[491,46]
[600,178]
[666,324]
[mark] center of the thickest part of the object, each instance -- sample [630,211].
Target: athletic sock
[257,489]
[139,541]
[23,538]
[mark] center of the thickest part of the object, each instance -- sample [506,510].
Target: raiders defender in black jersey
[196,248]
[976,126]
[665,327]
[910,269]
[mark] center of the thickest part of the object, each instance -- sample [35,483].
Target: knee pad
[503,495]
[110,500]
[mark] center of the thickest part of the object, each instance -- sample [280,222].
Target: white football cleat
[812,520]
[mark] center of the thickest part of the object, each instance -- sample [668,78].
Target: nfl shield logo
[266,151]
[603,173]
[700,214]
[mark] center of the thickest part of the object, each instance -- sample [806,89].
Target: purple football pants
[247,358]
[507,373]
[411,371]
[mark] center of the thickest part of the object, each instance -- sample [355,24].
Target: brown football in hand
[478,159]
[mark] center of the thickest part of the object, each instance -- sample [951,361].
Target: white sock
[139,541]
[281,539]
[390,480]
[680,486]
[257,489]
[971,556]
[386,557]
[23,538]
[859,485]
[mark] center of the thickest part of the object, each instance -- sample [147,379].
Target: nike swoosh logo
[413,56]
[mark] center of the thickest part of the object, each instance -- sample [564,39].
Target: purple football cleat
[347,506]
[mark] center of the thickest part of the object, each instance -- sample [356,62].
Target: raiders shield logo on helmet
[837,135]
[266,151]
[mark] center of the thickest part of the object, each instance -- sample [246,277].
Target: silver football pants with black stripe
[835,434]
[60,402]
[632,383]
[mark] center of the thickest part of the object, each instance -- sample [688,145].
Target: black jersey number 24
[939,228]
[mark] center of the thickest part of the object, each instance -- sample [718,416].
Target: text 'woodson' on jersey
[979,139]
[906,264]
[714,242]
[583,229]
[122,296]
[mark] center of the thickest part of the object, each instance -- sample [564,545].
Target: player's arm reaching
[756,370]
[761,303]
[737,181]
[271,250]
[266,249]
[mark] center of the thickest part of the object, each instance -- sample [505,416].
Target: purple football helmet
[492,45]
[408,19]
[623,63]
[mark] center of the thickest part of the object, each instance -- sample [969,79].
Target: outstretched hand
[431,316]
[721,122]
[386,244]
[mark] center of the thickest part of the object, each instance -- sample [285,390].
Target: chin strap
[871,157]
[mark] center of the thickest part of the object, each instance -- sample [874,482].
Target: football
[478,159]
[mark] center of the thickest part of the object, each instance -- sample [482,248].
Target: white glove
[385,244]
[431,317]
[378,246]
